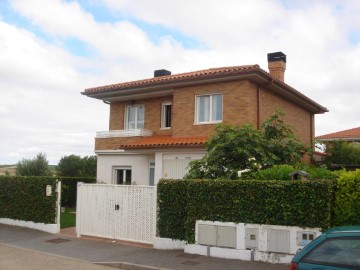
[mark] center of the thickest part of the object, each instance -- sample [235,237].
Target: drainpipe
[258,106]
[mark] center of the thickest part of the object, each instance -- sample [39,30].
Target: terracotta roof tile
[212,72]
[353,133]
[166,141]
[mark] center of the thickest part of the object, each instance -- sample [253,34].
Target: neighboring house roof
[352,134]
[158,86]
[165,141]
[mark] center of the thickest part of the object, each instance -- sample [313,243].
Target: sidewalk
[117,255]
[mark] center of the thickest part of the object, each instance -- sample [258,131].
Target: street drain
[57,240]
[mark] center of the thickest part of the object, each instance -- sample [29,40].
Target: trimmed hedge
[24,198]
[69,189]
[347,199]
[293,203]
[281,172]
[172,199]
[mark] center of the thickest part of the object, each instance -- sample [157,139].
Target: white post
[155,212]
[78,209]
[58,205]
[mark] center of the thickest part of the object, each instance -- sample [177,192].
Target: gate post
[58,205]
[78,209]
[155,214]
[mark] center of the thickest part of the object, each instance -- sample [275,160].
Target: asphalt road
[13,258]
[22,248]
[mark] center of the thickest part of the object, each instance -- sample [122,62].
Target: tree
[342,153]
[38,166]
[75,166]
[232,149]
[90,163]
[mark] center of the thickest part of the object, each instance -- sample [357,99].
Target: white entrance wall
[168,164]
[139,164]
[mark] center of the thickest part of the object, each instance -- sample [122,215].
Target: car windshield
[340,251]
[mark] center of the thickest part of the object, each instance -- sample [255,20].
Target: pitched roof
[212,72]
[165,141]
[157,86]
[349,134]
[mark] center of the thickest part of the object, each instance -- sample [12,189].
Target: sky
[51,50]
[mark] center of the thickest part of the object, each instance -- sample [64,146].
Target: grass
[68,218]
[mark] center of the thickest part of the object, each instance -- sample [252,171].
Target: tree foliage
[233,148]
[340,152]
[76,166]
[38,166]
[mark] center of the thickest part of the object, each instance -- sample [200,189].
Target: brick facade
[243,102]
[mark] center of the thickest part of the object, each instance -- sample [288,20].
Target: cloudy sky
[51,50]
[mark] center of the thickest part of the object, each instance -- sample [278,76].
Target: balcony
[123,133]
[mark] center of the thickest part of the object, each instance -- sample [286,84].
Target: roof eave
[338,139]
[163,88]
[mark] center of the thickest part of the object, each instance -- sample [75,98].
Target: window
[209,108]
[339,252]
[122,176]
[134,117]
[166,115]
[151,173]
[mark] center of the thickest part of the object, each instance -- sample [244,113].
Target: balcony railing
[123,133]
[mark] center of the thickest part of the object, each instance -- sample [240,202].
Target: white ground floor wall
[147,167]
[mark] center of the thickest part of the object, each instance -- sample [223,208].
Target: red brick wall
[152,114]
[298,118]
[238,107]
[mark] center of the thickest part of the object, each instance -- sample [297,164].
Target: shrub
[23,198]
[341,152]
[347,199]
[281,172]
[172,200]
[69,189]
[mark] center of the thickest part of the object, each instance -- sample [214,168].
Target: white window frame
[211,121]
[124,168]
[163,115]
[126,116]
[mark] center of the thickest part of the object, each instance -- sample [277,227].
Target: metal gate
[117,212]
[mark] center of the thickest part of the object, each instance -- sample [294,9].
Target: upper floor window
[134,117]
[166,115]
[209,108]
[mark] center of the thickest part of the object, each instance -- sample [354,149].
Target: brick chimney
[277,64]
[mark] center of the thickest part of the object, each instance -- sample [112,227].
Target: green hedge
[172,199]
[347,199]
[293,203]
[69,189]
[281,172]
[23,198]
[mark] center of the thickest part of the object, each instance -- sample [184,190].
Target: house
[349,135]
[158,125]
